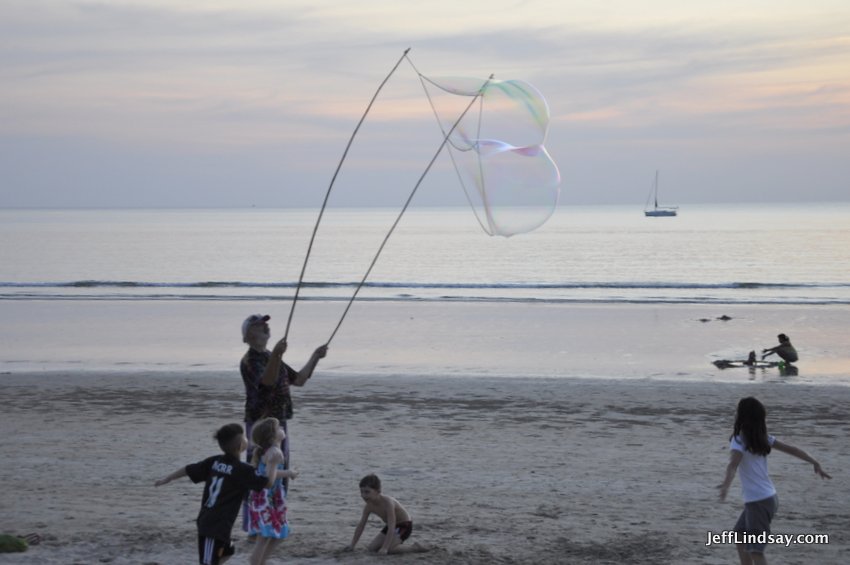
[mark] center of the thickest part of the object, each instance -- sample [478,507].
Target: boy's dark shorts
[211,550]
[403,529]
[756,519]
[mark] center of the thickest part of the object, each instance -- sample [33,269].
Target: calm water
[781,254]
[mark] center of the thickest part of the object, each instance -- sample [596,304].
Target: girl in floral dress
[267,507]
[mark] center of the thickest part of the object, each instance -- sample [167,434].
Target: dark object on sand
[723,318]
[12,544]
[750,361]
[731,364]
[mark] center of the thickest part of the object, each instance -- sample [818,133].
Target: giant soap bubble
[497,149]
[495,131]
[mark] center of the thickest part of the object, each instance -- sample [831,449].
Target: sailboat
[658,211]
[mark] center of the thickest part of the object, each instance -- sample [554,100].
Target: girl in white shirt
[749,446]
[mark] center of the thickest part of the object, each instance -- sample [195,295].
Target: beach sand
[550,434]
[493,470]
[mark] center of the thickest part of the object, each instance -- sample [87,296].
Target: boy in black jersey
[226,482]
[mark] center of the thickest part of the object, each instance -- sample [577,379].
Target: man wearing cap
[267,378]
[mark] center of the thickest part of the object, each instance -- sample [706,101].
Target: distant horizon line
[422,207]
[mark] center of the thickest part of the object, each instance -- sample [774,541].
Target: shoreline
[670,342]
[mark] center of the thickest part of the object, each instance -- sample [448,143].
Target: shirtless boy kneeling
[393,514]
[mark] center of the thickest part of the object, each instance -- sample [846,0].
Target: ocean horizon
[599,292]
[741,254]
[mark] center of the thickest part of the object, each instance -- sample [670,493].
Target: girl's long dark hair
[751,426]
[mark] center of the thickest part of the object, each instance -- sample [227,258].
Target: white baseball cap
[251,320]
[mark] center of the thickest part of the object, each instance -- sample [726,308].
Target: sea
[150,288]
[735,254]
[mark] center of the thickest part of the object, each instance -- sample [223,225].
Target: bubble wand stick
[330,187]
[407,203]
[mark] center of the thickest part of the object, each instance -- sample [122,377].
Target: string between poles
[446,139]
[407,203]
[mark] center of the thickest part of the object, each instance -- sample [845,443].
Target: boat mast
[656,189]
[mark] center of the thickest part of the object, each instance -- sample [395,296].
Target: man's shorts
[756,519]
[211,550]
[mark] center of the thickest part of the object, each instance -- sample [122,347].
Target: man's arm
[800,454]
[307,370]
[181,472]
[272,369]
[735,458]
[359,530]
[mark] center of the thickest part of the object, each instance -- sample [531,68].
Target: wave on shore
[733,292]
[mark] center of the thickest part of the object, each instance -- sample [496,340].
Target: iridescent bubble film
[498,150]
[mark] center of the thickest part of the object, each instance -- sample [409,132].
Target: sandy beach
[457,197]
[493,470]
[543,434]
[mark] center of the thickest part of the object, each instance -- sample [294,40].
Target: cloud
[172,81]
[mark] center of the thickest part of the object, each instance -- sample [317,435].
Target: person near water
[749,445]
[398,524]
[267,381]
[784,350]
[226,482]
[267,507]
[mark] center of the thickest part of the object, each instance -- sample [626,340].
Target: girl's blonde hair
[263,434]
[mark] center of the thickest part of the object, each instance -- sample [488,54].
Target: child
[227,480]
[267,508]
[750,444]
[393,514]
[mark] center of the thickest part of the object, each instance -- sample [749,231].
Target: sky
[236,103]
